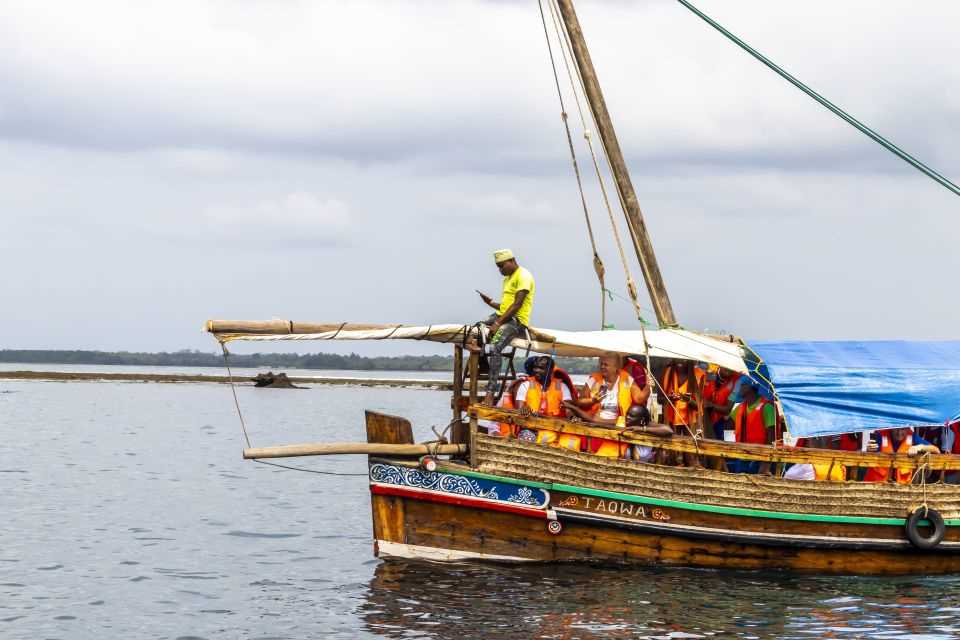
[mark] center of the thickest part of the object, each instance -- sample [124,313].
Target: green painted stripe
[736,511]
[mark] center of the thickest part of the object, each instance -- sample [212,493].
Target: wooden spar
[474,373]
[638,229]
[363,448]
[284,327]
[459,431]
[457,382]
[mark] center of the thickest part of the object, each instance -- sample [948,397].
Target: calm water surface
[128,512]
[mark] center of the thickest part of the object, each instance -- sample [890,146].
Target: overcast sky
[165,163]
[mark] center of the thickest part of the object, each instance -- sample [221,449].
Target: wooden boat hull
[515,501]
[450,533]
[457,514]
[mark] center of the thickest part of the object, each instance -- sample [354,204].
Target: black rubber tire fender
[916,538]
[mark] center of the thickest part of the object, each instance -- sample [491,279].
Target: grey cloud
[139,199]
[500,121]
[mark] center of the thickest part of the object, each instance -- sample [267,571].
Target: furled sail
[662,343]
[823,387]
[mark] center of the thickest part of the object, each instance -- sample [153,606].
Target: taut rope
[597,262]
[246,436]
[233,389]
[837,111]
[576,86]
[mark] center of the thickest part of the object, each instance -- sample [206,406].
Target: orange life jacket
[549,404]
[878,474]
[611,448]
[751,430]
[560,440]
[507,402]
[719,395]
[624,397]
[839,472]
[680,412]
[849,442]
[602,446]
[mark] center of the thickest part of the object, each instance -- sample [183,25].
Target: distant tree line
[256,360]
[188,358]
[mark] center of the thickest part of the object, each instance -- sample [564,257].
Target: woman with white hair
[606,398]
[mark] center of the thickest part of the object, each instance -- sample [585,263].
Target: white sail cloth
[662,343]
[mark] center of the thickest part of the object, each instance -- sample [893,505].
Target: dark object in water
[274,381]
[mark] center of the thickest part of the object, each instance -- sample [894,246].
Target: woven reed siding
[523,460]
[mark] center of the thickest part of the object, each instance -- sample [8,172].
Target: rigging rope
[243,424]
[233,388]
[698,435]
[843,115]
[577,87]
[922,470]
[323,473]
[568,51]
[597,262]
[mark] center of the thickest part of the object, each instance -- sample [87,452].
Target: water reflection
[412,599]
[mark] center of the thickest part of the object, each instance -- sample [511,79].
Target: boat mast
[638,230]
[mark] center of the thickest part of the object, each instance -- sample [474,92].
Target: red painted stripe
[460,501]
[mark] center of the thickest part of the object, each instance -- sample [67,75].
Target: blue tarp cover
[840,387]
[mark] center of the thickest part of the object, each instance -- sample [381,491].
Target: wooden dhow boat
[474,496]
[482,497]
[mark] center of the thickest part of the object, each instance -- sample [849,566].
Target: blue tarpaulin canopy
[842,387]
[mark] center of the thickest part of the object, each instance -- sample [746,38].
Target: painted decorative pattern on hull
[458,485]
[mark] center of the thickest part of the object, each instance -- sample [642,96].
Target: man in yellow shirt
[512,316]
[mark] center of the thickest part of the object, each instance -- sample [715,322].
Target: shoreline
[102,376]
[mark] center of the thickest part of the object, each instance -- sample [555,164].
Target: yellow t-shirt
[519,280]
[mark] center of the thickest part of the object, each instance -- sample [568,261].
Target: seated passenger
[850,442]
[816,470]
[606,398]
[534,395]
[508,401]
[719,396]
[951,437]
[901,440]
[847,442]
[681,383]
[951,444]
[638,419]
[753,420]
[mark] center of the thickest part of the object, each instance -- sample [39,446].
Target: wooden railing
[718,448]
